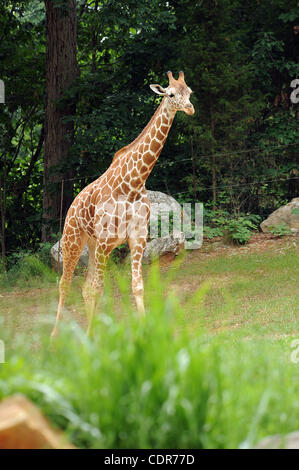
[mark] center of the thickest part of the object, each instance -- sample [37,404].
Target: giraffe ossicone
[115,207]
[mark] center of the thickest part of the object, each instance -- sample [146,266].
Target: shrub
[235,230]
[280,230]
[212,232]
[43,253]
[238,231]
[26,267]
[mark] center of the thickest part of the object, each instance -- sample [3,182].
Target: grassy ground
[252,294]
[209,367]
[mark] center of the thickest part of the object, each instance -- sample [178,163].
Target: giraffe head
[177,94]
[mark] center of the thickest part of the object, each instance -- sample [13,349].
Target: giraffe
[115,207]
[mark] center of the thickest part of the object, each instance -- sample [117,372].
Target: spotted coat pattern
[115,208]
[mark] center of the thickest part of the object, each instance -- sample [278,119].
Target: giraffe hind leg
[101,256]
[70,254]
[137,247]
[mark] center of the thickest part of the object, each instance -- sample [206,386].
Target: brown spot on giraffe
[148,159]
[155,146]
[159,135]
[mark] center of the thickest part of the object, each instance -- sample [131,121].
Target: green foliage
[30,267]
[215,217]
[26,267]
[291,15]
[280,230]
[212,232]
[120,253]
[240,62]
[269,52]
[154,383]
[239,230]
[151,384]
[43,253]
[236,230]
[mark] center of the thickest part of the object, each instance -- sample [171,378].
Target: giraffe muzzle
[189,110]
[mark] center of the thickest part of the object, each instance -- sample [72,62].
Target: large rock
[289,441]
[23,426]
[161,201]
[288,214]
[156,246]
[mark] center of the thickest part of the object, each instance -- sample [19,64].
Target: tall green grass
[27,269]
[153,383]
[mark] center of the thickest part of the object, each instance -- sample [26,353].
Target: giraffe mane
[128,147]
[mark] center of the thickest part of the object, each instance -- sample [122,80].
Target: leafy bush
[238,231]
[280,230]
[31,267]
[235,230]
[212,232]
[43,253]
[27,267]
[215,218]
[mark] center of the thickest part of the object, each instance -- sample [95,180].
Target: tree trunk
[61,70]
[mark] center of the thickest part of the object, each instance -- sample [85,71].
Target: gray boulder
[156,246]
[163,203]
[288,214]
[161,206]
[160,201]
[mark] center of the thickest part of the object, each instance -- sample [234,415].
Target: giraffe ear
[158,89]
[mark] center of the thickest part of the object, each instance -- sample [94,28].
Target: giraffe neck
[141,156]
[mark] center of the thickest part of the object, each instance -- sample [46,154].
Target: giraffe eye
[171,95]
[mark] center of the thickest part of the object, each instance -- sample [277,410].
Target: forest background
[77,75]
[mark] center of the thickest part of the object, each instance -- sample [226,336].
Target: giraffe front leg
[64,287]
[87,289]
[96,287]
[137,247]
[71,255]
